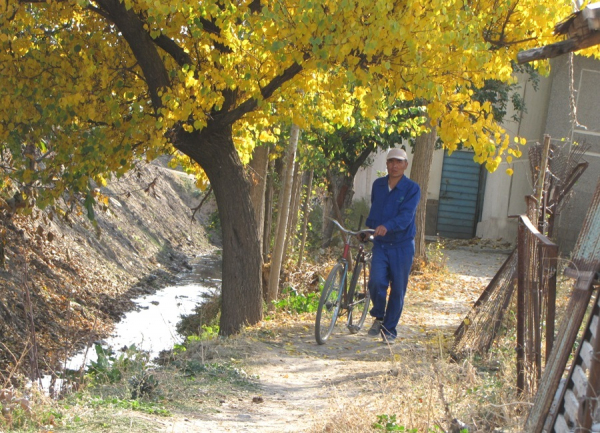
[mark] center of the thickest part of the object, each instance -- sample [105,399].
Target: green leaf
[89,205]
[277,45]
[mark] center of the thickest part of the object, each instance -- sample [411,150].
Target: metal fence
[536,299]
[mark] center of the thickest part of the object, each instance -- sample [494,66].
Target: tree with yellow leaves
[89,86]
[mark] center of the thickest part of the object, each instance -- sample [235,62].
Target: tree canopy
[90,86]
[78,87]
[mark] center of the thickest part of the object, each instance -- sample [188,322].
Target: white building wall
[505,195]
[576,83]
[435,176]
[365,177]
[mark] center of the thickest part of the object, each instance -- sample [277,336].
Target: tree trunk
[305,210]
[268,218]
[293,215]
[258,175]
[284,208]
[275,178]
[214,150]
[419,172]
[341,190]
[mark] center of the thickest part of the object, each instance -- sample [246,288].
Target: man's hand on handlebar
[380,231]
[365,236]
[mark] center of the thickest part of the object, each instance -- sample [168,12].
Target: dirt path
[302,385]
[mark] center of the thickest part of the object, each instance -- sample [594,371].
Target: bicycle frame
[339,295]
[346,260]
[359,258]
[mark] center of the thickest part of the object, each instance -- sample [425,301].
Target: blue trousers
[390,267]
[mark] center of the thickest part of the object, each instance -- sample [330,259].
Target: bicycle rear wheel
[329,304]
[359,296]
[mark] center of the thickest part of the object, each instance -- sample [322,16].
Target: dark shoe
[375,328]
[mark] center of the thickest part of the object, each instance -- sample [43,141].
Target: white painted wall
[365,177]
[504,194]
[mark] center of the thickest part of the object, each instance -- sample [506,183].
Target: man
[394,201]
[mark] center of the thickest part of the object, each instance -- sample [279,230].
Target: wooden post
[521,265]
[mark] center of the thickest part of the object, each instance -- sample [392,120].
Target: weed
[208,333]
[436,256]
[204,319]
[27,411]
[107,367]
[134,363]
[294,302]
[141,406]
[388,423]
[110,368]
[142,385]
[225,372]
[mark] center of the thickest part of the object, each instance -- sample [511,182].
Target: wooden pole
[559,48]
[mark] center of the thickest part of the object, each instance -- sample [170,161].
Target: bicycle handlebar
[350,232]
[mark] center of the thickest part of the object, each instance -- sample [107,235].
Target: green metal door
[461,196]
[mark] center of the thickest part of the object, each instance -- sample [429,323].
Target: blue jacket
[395,210]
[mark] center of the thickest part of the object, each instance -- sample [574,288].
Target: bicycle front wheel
[359,297]
[330,303]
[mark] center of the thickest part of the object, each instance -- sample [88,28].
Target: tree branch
[559,48]
[358,162]
[197,208]
[142,46]
[174,50]
[266,92]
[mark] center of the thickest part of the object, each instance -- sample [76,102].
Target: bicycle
[338,297]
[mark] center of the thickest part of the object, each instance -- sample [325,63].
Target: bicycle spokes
[330,303]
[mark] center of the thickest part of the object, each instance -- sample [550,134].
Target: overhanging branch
[174,50]
[266,92]
[559,48]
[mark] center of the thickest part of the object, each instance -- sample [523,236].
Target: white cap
[396,154]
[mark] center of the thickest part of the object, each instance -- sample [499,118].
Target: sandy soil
[302,385]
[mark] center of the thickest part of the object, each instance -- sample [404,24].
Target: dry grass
[424,390]
[414,383]
[427,394]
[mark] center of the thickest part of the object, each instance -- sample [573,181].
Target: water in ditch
[152,325]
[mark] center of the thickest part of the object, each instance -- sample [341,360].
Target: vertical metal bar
[537,288]
[531,311]
[521,258]
[539,215]
[552,254]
